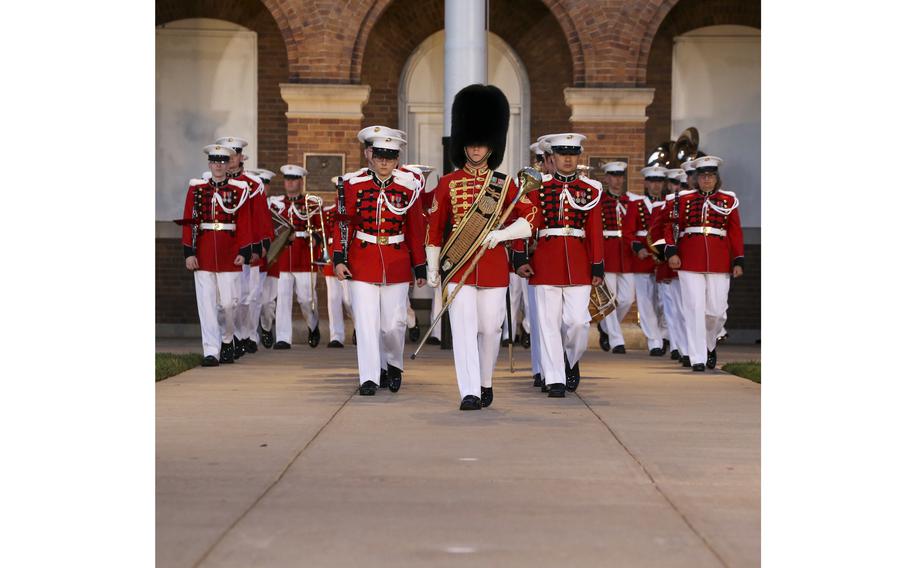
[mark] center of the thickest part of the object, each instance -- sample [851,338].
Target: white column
[465,50]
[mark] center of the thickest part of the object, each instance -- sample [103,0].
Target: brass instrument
[671,154]
[308,198]
[529,180]
[601,303]
[283,230]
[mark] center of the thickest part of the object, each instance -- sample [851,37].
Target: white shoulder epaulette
[253,177]
[197,181]
[545,178]
[592,182]
[238,183]
[358,179]
[355,173]
[635,196]
[406,180]
[730,193]
[330,207]
[671,196]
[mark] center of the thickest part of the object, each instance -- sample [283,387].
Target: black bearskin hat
[480,115]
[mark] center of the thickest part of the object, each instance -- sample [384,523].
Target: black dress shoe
[604,340]
[335,344]
[210,361]
[486,396]
[685,361]
[504,343]
[674,355]
[557,390]
[394,378]
[238,348]
[699,367]
[573,377]
[251,346]
[620,349]
[544,387]
[383,379]
[723,338]
[282,345]
[538,382]
[433,341]
[414,333]
[470,402]
[526,340]
[368,388]
[267,338]
[227,353]
[313,339]
[354,338]
[666,346]
[656,352]
[712,359]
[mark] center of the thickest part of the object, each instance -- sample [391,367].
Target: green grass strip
[747,369]
[170,364]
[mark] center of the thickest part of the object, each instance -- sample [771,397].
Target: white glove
[433,266]
[520,229]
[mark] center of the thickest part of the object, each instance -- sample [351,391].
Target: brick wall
[175,292]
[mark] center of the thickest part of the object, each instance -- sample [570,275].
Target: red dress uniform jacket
[659,217]
[368,202]
[211,203]
[566,260]
[296,256]
[635,232]
[710,234]
[259,214]
[330,213]
[453,197]
[617,258]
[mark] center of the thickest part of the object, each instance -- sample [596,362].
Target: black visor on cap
[367,144]
[569,150]
[655,178]
[290,176]
[385,153]
[707,169]
[616,173]
[673,181]
[219,159]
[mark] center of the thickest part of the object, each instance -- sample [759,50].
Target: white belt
[218,226]
[382,239]
[616,233]
[705,231]
[303,234]
[641,233]
[561,232]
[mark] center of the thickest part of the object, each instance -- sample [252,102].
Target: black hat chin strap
[481,161]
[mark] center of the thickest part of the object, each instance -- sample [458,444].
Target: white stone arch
[420,100]
[716,86]
[206,86]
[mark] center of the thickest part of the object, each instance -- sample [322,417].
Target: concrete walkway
[275,461]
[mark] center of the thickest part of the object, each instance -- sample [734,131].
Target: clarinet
[343,224]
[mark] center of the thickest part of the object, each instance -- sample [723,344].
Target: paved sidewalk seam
[654,483]
[274,483]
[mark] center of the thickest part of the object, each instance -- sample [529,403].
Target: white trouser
[476,316]
[380,319]
[671,316]
[567,305]
[676,294]
[242,313]
[289,285]
[622,284]
[704,300]
[251,323]
[269,299]
[216,291]
[437,307]
[536,367]
[646,297]
[338,297]
[518,298]
[412,316]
